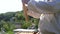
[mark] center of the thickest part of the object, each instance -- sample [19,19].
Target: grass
[9,32]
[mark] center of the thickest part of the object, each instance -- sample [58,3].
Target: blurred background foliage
[9,20]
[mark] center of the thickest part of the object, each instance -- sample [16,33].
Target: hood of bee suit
[44,6]
[25,1]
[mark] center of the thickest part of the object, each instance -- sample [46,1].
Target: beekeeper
[50,15]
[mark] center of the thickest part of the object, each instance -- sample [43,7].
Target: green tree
[19,16]
[7,26]
[25,25]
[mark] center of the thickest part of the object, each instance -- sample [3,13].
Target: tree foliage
[6,26]
[8,19]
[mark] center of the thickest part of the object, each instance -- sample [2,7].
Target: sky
[10,6]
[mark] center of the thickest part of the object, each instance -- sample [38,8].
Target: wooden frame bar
[25,12]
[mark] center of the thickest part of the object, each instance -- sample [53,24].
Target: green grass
[9,32]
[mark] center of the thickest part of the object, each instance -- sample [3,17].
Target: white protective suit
[50,15]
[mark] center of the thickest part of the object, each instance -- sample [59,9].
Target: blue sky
[10,6]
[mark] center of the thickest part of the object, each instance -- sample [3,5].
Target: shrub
[25,25]
[7,26]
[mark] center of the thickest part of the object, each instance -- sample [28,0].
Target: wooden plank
[25,31]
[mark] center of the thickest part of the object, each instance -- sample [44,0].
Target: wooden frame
[25,12]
